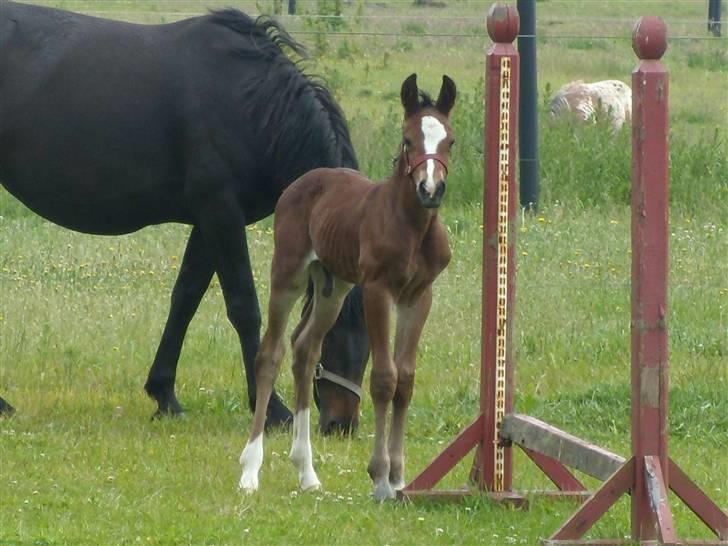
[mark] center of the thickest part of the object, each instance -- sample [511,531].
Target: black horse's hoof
[278,415]
[167,404]
[169,414]
[168,407]
[6,410]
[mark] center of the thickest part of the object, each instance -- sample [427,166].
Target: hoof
[248,484]
[167,404]
[383,492]
[6,410]
[160,414]
[278,415]
[309,482]
[313,486]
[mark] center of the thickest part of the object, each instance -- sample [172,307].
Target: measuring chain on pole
[502,298]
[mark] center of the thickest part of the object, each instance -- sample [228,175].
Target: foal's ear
[446,99]
[410,95]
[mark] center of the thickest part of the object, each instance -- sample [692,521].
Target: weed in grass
[714,61]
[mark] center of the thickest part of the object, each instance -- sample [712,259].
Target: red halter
[421,159]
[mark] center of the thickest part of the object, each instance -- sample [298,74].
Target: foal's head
[427,139]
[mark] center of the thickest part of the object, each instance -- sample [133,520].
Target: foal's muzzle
[431,201]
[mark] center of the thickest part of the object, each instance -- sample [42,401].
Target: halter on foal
[340,228]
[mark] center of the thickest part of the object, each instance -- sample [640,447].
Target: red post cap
[502,23]
[649,37]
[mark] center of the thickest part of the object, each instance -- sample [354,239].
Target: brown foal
[339,228]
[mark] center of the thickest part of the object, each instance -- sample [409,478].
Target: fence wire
[470,35]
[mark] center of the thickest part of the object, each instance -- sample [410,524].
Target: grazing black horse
[107,127]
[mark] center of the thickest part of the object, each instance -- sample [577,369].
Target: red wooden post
[646,473]
[492,467]
[649,265]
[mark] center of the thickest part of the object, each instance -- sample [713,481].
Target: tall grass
[80,317]
[584,164]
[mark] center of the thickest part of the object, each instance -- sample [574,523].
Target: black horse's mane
[295,108]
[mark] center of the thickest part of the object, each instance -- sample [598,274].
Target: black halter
[321,373]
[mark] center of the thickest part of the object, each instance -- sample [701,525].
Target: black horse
[107,127]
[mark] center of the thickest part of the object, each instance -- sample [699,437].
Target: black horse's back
[88,129]
[106,127]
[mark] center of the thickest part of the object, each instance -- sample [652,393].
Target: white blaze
[434,132]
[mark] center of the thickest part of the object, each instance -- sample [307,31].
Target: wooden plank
[701,505]
[531,433]
[657,495]
[630,542]
[595,542]
[459,495]
[575,496]
[589,512]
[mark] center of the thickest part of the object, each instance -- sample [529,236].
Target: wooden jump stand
[649,472]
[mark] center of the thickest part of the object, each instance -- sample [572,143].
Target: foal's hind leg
[411,320]
[329,295]
[285,290]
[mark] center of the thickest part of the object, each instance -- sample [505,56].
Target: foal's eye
[452,144]
[407,143]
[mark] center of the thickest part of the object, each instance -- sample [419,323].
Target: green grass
[80,318]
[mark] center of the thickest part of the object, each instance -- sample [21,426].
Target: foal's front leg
[377,304]
[411,318]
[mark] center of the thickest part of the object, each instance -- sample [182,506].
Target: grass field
[81,316]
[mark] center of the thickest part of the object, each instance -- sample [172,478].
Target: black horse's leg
[223,227]
[6,410]
[192,282]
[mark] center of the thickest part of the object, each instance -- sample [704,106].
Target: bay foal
[339,228]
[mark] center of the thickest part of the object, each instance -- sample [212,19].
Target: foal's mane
[295,110]
[425,100]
